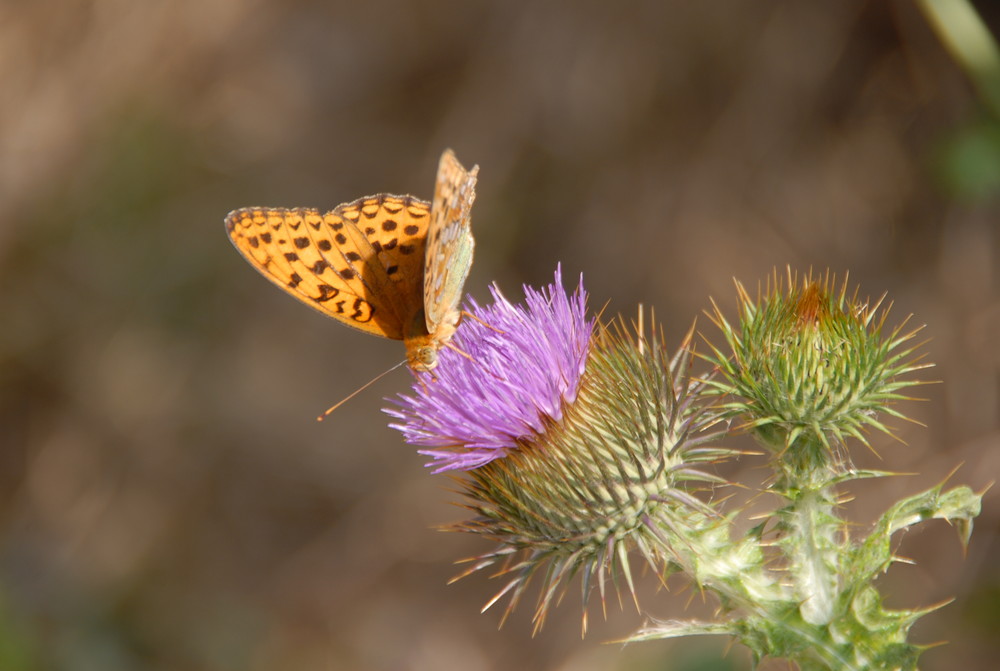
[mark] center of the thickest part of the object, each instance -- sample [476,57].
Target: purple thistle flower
[524,367]
[601,430]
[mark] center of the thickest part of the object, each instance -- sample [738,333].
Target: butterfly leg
[465,354]
[472,316]
[470,358]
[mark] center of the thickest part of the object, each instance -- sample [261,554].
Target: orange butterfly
[392,266]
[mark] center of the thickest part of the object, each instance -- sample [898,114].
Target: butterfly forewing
[449,242]
[360,264]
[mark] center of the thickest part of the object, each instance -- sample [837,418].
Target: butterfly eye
[424,359]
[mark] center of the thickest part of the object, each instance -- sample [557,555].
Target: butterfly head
[422,358]
[421,346]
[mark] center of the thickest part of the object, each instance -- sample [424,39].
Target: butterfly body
[393,266]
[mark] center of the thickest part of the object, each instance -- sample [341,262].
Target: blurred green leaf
[968,163]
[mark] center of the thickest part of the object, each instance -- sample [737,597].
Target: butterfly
[392,266]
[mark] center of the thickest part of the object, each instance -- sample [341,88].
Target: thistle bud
[812,365]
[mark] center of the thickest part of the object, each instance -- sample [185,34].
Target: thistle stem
[811,524]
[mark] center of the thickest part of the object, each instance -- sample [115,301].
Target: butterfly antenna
[358,391]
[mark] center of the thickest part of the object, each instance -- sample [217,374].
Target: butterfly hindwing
[329,263]
[396,229]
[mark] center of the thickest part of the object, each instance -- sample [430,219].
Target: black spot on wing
[326,292]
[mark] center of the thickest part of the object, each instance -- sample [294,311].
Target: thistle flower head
[812,365]
[524,365]
[600,430]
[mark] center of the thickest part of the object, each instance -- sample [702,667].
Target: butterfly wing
[361,263]
[449,243]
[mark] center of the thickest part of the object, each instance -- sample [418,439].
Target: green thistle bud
[811,366]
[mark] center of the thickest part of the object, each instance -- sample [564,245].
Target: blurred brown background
[167,500]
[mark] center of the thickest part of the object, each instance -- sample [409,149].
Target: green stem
[812,526]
